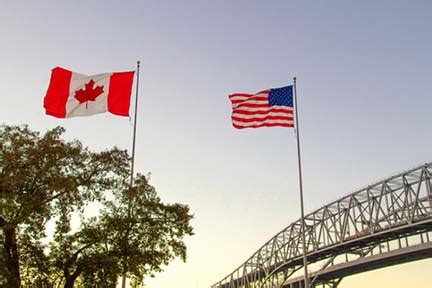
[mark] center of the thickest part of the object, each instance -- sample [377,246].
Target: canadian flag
[72,94]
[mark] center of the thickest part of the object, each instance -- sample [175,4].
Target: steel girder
[381,214]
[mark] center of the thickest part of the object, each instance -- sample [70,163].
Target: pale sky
[364,72]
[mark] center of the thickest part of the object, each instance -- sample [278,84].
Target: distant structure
[384,224]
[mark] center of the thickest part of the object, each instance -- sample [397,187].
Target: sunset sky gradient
[364,78]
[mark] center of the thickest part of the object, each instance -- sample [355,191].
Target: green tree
[148,233]
[83,253]
[41,177]
[135,234]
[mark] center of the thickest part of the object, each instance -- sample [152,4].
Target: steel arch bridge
[383,224]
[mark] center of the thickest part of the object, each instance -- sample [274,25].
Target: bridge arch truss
[382,224]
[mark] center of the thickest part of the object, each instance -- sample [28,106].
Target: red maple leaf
[88,93]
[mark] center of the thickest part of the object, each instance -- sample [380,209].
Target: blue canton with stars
[281,96]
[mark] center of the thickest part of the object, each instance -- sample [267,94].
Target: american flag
[273,107]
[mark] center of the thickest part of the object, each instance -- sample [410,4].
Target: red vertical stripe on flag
[58,92]
[120,89]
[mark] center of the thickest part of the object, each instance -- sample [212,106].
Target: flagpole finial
[295,79]
[138,63]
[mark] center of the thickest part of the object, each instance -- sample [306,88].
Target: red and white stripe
[253,111]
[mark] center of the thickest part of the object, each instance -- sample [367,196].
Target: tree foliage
[44,178]
[148,232]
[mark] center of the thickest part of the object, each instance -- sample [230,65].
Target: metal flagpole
[134,128]
[133,150]
[303,224]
